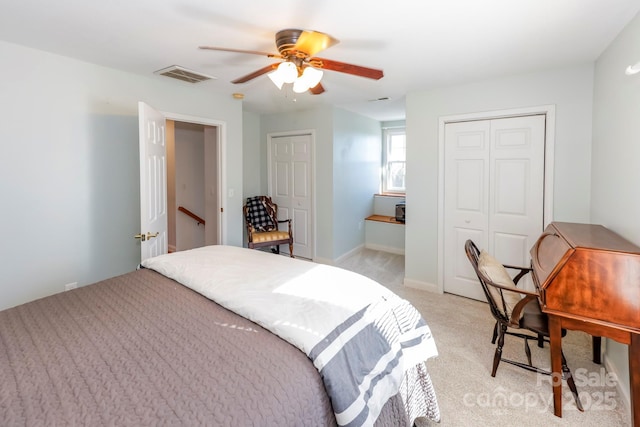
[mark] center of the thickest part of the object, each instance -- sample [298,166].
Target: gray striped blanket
[364,340]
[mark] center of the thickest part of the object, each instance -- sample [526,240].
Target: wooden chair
[261,218]
[514,308]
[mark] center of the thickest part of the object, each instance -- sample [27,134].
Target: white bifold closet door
[494,195]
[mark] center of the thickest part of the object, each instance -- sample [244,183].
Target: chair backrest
[261,213]
[498,307]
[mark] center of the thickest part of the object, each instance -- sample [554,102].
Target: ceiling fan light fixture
[276,78]
[297,49]
[288,71]
[310,78]
[299,86]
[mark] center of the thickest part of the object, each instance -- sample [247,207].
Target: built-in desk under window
[384,218]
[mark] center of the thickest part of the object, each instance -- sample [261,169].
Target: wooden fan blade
[312,42]
[317,89]
[252,52]
[257,73]
[357,70]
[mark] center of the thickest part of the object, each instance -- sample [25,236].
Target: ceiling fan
[299,65]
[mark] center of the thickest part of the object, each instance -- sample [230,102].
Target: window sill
[401,195]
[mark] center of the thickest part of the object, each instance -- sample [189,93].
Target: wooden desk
[589,280]
[632,339]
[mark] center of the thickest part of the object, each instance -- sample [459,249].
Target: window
[394,153]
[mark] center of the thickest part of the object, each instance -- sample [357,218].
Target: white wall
[70,169]
[356,177]
[569,89]
[254,164]
[386,205]
[616,153]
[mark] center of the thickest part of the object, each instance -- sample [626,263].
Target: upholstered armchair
[261,218]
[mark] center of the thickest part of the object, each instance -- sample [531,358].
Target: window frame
[387,133]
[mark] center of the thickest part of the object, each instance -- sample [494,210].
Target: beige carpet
[461,374]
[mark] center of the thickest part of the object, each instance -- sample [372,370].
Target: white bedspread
[360,336]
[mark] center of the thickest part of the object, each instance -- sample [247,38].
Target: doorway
[290,170]
[157,179]
[192,186]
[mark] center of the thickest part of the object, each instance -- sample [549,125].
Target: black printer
[400,210]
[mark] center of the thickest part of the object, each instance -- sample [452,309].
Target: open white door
[153,182]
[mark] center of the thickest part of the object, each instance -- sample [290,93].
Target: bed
[217,336]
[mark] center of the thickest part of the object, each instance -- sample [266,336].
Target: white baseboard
[325,261]
[423,286]
[390,249]
[620,388]
[341,258]
[353,251]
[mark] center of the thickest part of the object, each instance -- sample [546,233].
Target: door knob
[147,236]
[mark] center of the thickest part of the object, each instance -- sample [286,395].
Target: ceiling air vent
[181,73]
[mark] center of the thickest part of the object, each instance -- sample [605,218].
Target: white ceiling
[420,44]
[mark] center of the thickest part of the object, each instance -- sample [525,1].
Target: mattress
[142,349]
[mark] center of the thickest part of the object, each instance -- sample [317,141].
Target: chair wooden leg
[495,333]
[498,354]
[527,351]
[291,249]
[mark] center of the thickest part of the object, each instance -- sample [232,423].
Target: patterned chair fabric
[261,218]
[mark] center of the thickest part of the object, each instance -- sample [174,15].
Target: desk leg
[634,378]
[596,345]
[555,337]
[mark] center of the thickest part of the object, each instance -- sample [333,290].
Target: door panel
[463,268]
[464,277]
[301,185]
[494,188]
[469,189]
[517,158]
[511,187]
[290,170]
[281,187]
[466,204]
[153,182]
[300,232]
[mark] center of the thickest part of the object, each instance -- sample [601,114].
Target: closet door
[290,187]
[494,189]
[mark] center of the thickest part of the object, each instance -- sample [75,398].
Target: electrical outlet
[70,286]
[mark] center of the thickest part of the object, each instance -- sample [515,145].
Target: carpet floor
[461,374]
